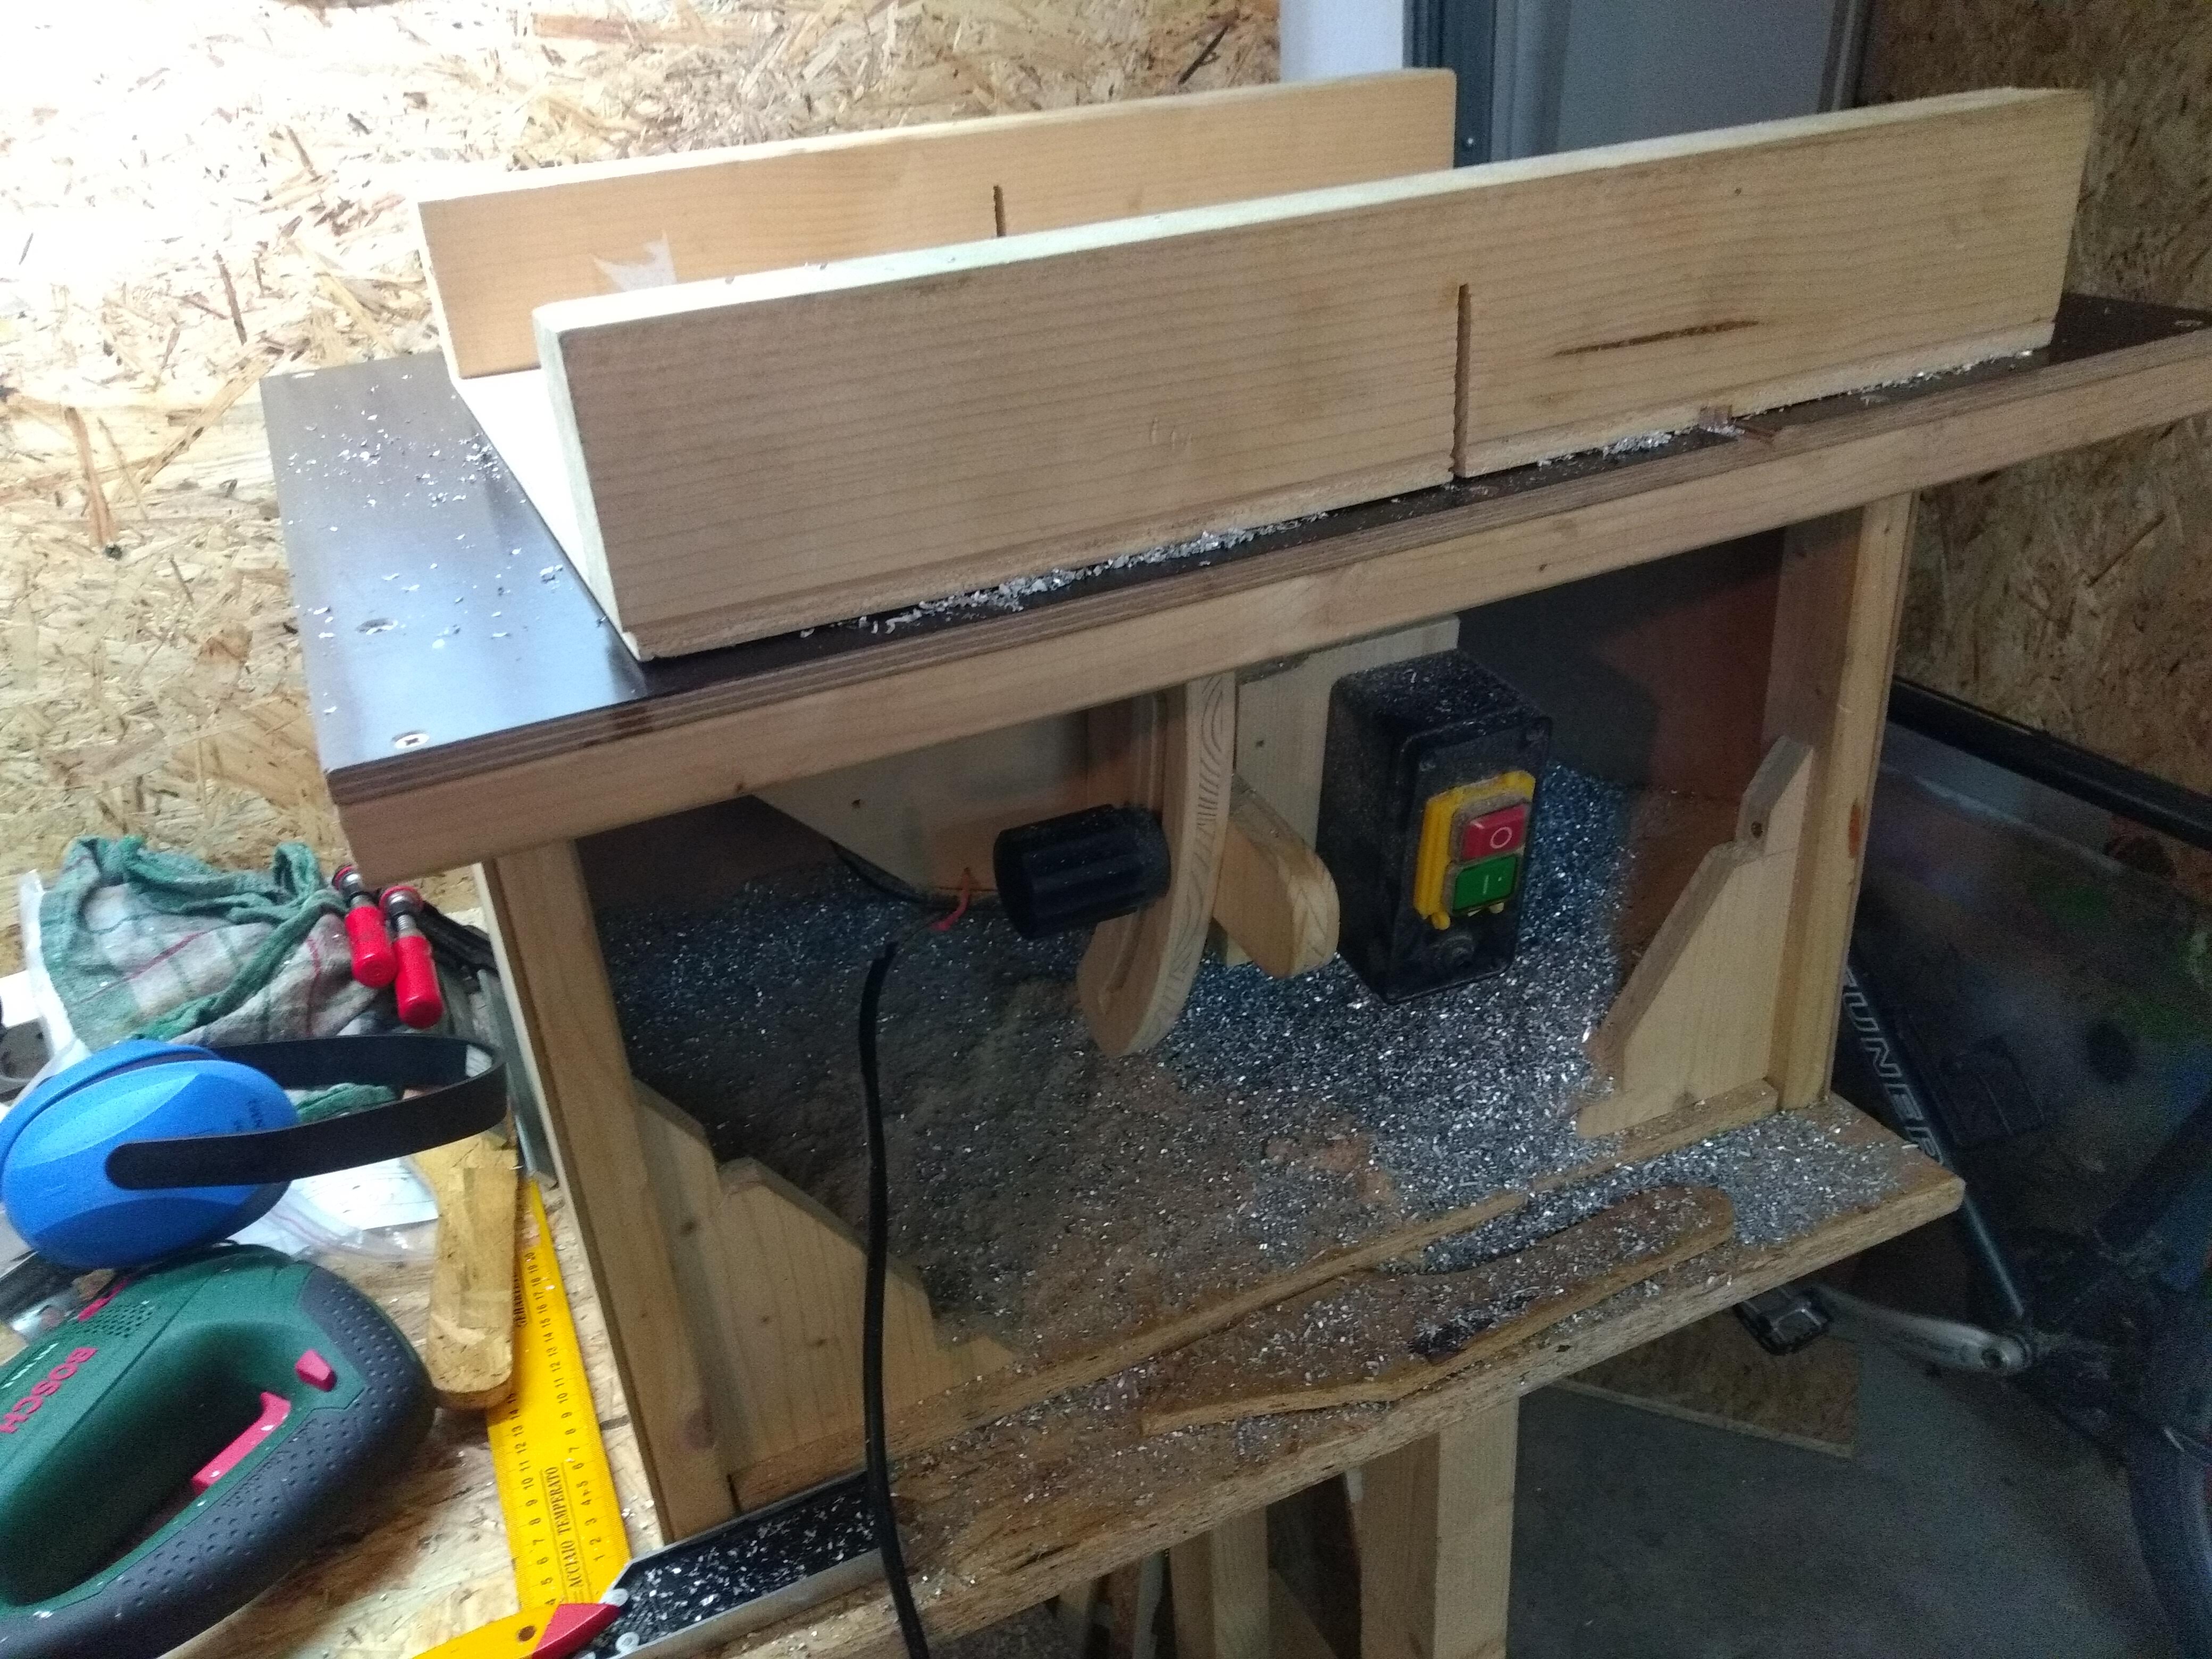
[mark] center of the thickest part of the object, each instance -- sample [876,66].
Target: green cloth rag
[158,945]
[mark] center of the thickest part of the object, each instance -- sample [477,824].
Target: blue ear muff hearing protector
[145,1148]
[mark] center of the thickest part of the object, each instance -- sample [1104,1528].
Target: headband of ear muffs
[147,1148]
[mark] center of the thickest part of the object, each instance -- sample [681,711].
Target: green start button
[1486,883]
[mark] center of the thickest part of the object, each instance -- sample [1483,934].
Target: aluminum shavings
[719,1572]
[1783,1175]
[1456,1094]
[1084,1445]
[1060,1195]
[1014,593]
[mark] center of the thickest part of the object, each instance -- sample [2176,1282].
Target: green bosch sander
[180,1444]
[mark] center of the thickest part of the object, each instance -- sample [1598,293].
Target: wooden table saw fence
[1918,239]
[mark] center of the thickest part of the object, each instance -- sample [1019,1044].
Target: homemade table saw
[474,704]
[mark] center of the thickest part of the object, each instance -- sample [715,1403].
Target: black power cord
[885,1517]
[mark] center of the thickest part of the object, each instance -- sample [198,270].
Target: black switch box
[1434,741]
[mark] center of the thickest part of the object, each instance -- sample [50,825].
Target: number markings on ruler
[555,1490]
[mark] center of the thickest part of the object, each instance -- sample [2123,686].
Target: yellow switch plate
[1434,859]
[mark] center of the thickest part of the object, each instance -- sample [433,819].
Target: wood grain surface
[470,1346]
[539,917]
[771,1289]
[1829,687]
[1435,1545]
[1275,899]
[794,446]
[1181,751]
[499,244]
[1697,1015]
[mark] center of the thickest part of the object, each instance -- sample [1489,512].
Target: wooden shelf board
[1032,1505]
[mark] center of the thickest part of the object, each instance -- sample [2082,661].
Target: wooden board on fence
[513,241]
[897,427]
[499,767]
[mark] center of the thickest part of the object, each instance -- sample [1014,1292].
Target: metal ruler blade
[564,1525]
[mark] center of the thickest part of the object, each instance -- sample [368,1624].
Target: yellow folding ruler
[564,1525]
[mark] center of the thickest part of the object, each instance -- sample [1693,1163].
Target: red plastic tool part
[275,1408]
[374,963]
[1502,831]
[573,1624]
[422,1004]
[317,1372]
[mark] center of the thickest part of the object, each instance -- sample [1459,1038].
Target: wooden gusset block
[1696,1018]
[1282,731]
[1275,897]
[797,445]
[771,1286]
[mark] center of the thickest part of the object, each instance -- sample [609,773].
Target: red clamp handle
[422,1005]
[370,945]
[374,963]
[414,988]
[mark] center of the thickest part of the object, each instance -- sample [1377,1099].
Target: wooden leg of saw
[1435,1543]
[1178,748]
[1220,1581]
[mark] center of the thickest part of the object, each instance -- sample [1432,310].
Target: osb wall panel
[2075,594]
[193,195]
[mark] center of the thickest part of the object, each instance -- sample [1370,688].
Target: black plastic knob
[1079,869]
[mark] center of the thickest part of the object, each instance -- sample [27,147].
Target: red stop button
[1502,831]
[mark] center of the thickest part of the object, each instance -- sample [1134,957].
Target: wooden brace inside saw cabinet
[773,1283]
